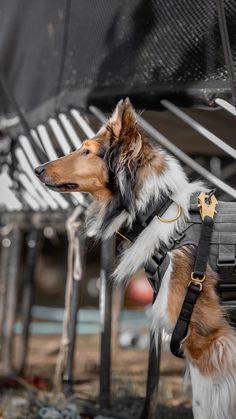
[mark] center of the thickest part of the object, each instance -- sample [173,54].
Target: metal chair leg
[33,240]
[107,260]
[152,378]
[4,263]
[11,300]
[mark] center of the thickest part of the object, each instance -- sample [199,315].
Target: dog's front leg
[201,395]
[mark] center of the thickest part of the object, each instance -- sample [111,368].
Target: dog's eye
[85,151]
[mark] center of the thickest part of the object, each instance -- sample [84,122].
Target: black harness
[215,240]
[159,262]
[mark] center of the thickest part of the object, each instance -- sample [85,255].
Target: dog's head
[112,164]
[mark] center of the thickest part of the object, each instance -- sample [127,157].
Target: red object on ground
[34,380]
[140,291]
[37,381]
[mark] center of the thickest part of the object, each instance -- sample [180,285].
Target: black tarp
[60,53]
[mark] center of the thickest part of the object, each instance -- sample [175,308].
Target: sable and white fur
[134,171]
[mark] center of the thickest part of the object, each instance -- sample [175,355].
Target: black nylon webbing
[193,291]
[181,328]
[203,247]
[143,220]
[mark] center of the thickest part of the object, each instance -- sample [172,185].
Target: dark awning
[60,53]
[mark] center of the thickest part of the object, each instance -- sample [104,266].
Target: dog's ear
[129,124]
[123,120]
[115,121]
[124,151]
[125,128]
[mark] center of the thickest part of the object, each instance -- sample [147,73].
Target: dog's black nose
[39,170]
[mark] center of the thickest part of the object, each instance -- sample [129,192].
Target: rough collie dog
[125,172]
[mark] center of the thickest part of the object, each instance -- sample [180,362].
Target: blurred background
[64,64]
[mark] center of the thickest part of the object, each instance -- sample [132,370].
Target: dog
[125,172]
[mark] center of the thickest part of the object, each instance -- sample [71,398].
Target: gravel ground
[129,369]
[174,413]
[18,405]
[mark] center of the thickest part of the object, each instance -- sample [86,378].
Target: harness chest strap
[197,278]
[160,260]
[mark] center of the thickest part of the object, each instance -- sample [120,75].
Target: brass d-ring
[170,220]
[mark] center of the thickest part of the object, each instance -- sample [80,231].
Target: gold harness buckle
[207,205]
[197,281]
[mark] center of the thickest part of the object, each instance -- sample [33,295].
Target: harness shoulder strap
[195,286]
[181,328]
